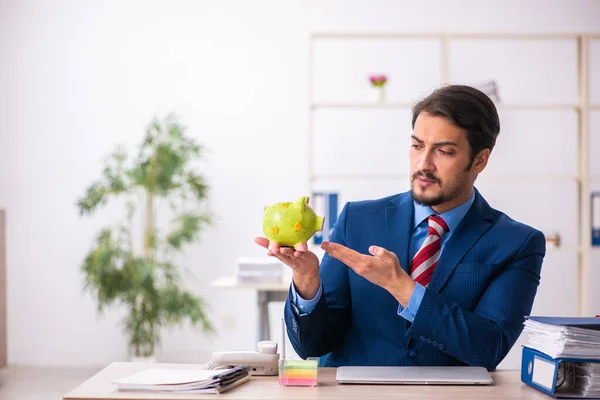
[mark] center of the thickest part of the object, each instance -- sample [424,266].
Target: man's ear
[480,161]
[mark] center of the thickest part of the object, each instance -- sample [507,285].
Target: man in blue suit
[434,276]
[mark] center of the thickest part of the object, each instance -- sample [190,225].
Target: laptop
[451,375]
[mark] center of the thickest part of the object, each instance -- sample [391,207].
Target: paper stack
[587,379]
[184,380]
[267,269]
[564,337]
[562,356]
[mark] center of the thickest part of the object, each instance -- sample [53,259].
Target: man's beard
[441,197]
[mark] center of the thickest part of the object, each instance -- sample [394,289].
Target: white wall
[78,77]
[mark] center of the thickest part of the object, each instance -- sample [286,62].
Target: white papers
[587,379]
[563,341]
[184,380]
[265,269]
[160,376]
[577,380]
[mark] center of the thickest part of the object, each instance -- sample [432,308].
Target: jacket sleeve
[484,336]
[316,333]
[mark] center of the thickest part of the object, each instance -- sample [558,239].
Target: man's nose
[425,163]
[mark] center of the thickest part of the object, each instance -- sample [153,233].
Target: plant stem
[148,347]
[148,255]
[148,245]
[149,237]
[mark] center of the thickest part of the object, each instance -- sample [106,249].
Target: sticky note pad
[298,372]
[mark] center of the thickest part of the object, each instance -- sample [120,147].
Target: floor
[32,383]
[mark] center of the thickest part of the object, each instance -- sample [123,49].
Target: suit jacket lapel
[474,224]
[399,219]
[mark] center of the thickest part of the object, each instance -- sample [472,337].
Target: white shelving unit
[547,158]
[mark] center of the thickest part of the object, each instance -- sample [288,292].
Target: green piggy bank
[291,224]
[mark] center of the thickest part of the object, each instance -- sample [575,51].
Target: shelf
[502,36]
[563,248]
[551,177]
[362,105]
[351,177]
[540,107]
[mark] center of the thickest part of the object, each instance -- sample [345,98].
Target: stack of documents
[564,337]
[184,380]
[267,269]
[587,379]
[562,356]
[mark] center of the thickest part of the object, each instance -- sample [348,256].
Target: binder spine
[326,204]
[539,371]
[595,216]
[551,375]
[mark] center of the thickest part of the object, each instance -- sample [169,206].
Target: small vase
[377,94]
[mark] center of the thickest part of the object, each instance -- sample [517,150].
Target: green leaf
[187,227]
[197,185]
[114,181]
[180,306]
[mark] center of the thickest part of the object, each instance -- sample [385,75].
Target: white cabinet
[594,71]
[594,279]
[341,68]
[594,267]
[532,142]
[547,205]
[594,148]
[362,189]
[528,71]
[558,292]
[367,142]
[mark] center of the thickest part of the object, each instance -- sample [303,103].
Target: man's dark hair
[469,109]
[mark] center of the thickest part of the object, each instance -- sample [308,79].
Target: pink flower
[378,80]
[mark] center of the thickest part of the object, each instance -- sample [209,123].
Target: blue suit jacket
[473,309]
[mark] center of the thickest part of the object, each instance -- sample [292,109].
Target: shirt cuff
[414,302]
[302,305]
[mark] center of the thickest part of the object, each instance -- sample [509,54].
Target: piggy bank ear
[265,209]
[301,202]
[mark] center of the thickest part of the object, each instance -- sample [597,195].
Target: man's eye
[416,146]
[446,153]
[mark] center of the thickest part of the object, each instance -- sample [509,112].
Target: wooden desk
[266,293]
[507,385]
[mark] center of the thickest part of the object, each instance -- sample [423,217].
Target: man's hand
[304,264]
[382,268]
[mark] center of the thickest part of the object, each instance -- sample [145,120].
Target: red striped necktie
[424,262]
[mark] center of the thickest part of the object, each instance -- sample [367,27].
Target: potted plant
[144,278]
[378,82]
